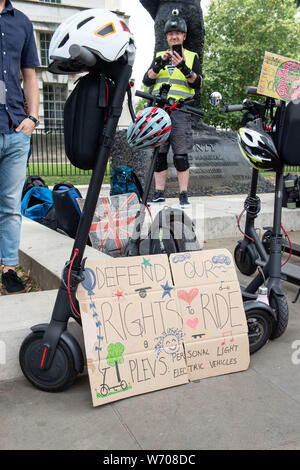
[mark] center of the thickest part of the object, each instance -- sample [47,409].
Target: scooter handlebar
[83,55]
[251,90]
[147,96]
[232,108]
[181,104]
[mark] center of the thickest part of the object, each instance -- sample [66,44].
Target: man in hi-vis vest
[182,70]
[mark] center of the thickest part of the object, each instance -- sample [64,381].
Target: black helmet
[175,23]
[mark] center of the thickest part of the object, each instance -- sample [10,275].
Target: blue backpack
[36,203]
[124,180]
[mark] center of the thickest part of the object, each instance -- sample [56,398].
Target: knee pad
[181,162]
[161,163]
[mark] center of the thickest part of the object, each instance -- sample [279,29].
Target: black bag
[31,182]
[288,133]
[85,113]
[67,211]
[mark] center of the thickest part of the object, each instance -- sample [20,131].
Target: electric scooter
[250,253]
[50,357]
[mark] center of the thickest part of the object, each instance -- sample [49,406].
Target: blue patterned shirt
[17,51]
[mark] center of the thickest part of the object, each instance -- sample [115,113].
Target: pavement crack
[125,426]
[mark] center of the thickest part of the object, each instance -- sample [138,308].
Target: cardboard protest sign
[280,77]
[211,307]
[131,327]
[151,322]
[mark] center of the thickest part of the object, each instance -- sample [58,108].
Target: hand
[27,126]
[167,56]
[159,64]
[177,59]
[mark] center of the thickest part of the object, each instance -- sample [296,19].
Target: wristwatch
[36,121]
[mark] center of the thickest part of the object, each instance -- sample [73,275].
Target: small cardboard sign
[280,77]
[151,322]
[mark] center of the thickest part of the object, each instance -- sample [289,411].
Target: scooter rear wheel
[60,375]
[259,328]
[280,305]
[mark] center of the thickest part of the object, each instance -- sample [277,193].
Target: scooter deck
[291,273]
[295,248]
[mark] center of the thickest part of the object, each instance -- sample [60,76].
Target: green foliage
[114,355]
[237,36]
[142,102]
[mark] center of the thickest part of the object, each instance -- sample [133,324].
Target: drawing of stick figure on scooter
[114,357]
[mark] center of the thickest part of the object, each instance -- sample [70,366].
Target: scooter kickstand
[297,297]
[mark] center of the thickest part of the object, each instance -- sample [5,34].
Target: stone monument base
[216,164]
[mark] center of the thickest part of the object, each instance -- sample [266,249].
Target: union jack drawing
[113,222]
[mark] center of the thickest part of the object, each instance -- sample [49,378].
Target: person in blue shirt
[18,53]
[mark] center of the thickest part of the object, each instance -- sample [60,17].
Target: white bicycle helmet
[100,31]
[151,128]
[259,149]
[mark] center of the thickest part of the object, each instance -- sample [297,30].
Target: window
[51,1]
[54,100]
[45,39]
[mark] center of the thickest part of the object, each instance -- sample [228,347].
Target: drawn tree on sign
[115,357]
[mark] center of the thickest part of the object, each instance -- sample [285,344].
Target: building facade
[46,15]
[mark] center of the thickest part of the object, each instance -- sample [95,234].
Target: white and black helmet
[259,149]
[98,30]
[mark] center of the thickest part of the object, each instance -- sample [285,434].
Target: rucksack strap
[138,184]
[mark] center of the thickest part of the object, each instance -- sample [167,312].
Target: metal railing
[48,157]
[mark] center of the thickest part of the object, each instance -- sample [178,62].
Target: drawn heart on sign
[188,296]
[193,322]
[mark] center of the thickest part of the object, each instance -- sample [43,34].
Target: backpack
[124,180]
[66,207]
[85,113]
[36,203]
[287,136]
[31,182]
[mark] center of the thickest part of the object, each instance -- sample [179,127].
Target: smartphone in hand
[177,48]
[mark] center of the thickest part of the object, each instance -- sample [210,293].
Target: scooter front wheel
[61,373]
[280,305]
[259,328]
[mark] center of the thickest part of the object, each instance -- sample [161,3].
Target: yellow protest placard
[280,77]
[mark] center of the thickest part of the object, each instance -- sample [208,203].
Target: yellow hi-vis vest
[179,85]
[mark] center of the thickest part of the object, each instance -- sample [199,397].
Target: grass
[271,176]
[54,173]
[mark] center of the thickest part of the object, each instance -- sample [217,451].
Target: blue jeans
[14,149]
